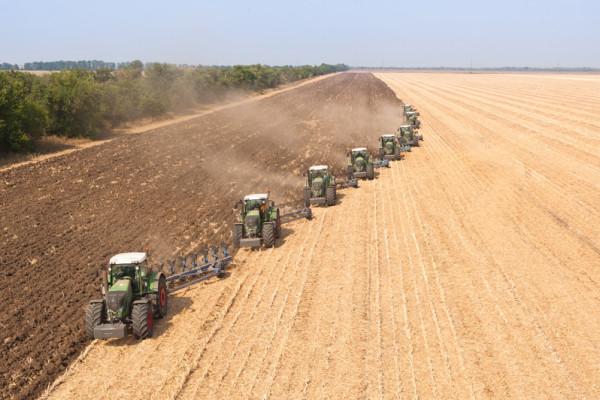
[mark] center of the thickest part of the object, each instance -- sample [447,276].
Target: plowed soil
[471,269]
[170,192]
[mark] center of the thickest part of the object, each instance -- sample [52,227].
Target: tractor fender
[142,301]
[95,301]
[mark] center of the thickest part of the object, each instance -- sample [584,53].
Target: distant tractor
[412,118]
[409,108]
[389,148]
[260,222]
[406,136]
[320,186]
[133,296]
[360,164]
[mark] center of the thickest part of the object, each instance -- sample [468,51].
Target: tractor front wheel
[370,171]
[268,234]
[162,299]
[238,232]
[142,320]
[94,316]
[306,197]
[278,225]
[330,195]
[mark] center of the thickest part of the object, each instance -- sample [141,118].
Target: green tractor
[360,164]
[320,186]
[406,136]
[133,296]
[389,148]
[260,222]
[409,108]
[412,118]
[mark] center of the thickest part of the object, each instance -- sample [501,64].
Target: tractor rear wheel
[95,313]
[238,232]
[278,225]
[397,151]
[162,299]
[142,319]
[370,171]
[306,197]
[268,234]
[330,195]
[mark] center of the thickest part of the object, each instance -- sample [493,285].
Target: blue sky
[371,33]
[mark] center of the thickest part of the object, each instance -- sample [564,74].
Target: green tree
[22,115]
[74,104]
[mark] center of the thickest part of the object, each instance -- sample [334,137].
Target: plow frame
[215,266]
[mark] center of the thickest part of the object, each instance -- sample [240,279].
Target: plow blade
[352,182]
[199,273]
[381,163]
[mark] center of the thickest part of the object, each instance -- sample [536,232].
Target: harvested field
[169,191]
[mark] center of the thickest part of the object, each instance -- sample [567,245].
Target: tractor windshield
[252,205]
[318,174]
[362,154]
[121,271]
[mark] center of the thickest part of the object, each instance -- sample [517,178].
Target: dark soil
[168,192]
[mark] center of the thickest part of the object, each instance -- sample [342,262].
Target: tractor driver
[263,207]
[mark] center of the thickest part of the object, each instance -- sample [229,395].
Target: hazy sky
[371,33]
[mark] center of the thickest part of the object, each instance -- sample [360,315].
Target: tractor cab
[387,140]
[409,108]
[259,201]
[317,171]
[128,266]
[359,153]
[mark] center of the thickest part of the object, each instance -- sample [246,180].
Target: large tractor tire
[370,171]
[330,195]
[278,226]
[238,233]
[95,314]
[162,299]
[142,320]
[397,151]
[306,197]
[381,153]
[350,172]
[268,234]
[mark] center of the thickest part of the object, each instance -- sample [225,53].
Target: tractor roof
[411,113]
[388,136]
[257,196]
[318,168]
[359,149]
[405,126]
[128,258]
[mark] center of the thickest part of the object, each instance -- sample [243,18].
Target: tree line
[82,103]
